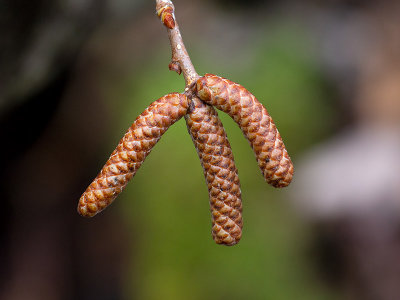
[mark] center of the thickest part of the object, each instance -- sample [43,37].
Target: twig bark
[180,61]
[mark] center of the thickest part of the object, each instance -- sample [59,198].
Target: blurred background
[74,75]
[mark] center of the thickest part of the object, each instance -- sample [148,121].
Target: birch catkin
[255,122]
[220,172]
[131,151]
[208,135]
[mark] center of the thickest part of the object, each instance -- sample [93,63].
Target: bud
[165,11]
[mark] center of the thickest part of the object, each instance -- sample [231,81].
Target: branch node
[180,62]
[174,66]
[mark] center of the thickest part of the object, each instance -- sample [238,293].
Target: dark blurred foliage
[75,74]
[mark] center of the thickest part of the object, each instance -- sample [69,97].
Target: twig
[210,140]
[180,61]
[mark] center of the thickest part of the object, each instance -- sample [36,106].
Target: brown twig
[180,61]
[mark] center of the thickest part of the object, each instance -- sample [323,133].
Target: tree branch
[180,61]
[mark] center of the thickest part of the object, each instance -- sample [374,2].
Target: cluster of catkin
[209,137]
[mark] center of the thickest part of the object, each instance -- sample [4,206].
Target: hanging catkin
[208,135]
[131,151]
[255,122]
[220,172]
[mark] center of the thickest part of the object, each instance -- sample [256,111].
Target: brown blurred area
[348,186]
[61,65]
[52,115]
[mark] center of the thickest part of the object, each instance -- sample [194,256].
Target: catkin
[131,151]
[255,122]
[220,172]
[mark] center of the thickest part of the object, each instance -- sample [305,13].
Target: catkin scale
[131,151]
[255,122]
[220,172]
